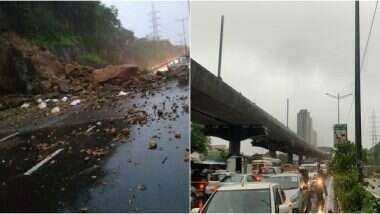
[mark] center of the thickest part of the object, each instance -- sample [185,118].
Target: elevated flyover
[227,114]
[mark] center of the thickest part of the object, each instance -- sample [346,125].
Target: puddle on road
[142,180]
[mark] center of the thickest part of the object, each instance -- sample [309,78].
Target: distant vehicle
[247,198]
[291,184]
[265,172]
[178,63]
[238,164]
[324,168]
[229,179]
[199,179]
[277,169]
[312,169]
[287,167]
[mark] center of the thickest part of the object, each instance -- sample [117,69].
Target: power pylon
[154,20]
[374,129]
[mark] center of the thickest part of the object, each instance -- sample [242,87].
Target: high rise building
[314,138]
[304,125]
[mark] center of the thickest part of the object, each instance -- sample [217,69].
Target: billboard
[340,133]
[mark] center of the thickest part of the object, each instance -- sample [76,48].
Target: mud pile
[28,69]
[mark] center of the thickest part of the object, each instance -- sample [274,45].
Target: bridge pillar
[290,157]
[234,147]
[300,159]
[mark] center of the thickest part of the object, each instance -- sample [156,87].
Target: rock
[113,131]
[75,102]
[177,135]
[55,110]
[122,93]
[64,99]
[93,177]
[84,210]
[25,105]
[63,87]
[42,105]
[125,132]
[111,72]
[152,145]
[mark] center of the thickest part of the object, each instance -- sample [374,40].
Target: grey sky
[299,50]
[135,16]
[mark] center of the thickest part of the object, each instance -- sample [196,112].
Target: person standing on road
[322,186]
[304,188]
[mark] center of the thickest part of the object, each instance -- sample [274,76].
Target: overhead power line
[364,54]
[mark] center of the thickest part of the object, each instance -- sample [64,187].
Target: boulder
[114,71]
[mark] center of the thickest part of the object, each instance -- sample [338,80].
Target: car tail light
[202,187]
[200,205]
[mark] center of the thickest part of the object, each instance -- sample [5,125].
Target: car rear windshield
[239,201]
[286,182]
[233,179]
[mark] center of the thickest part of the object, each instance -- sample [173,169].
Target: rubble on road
[122,72]
[152,145]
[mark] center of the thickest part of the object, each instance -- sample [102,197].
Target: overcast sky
[296,50]
[136,16]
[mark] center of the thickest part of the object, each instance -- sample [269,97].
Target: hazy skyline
[297,50]
[135,16]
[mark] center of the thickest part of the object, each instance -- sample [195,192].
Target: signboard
[340,133]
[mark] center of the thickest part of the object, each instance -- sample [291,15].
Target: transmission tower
[374,129]
[154,20]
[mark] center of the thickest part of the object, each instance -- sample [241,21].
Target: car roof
[309,164]
[246,186]
[286,174]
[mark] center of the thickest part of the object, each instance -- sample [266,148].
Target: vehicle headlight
[319,181]
[176,61]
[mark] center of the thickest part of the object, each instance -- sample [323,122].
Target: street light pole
[358,122]
[287,113]
[338,97]
[220,47]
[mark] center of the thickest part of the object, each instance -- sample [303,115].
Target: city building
[305,125]
[314,138]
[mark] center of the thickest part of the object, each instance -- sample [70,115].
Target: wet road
[100,172]
[142,180]
[374,186]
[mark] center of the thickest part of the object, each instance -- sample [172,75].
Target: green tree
[199,141]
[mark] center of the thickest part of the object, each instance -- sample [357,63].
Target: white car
[259,197]
[227,179]
[291,184]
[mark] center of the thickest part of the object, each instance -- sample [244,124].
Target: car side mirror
[195,210]
[284,208]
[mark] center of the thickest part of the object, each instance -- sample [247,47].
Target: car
[266,172]
[312,169]
[228,179]
[178,63]
[324,168]
[291,184]
[257,197]
[277,169]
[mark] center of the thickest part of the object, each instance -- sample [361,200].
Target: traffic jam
[264,185]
